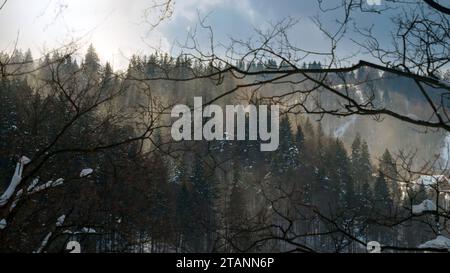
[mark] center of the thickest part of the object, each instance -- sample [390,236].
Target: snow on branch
[32,188]
[15,181]
[86,172]
[44,243]
[84,230]
[440,242]
[50,184]
[2,224]
[60,220]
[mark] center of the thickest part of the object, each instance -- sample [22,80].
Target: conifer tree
[237,211]
[381,196]
[389,168]
[91,64]
[286,157]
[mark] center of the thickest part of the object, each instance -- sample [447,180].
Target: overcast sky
[117,28]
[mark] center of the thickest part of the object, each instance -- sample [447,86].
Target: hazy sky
[117,27]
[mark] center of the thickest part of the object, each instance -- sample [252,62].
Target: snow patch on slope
[425,206]
[340,131]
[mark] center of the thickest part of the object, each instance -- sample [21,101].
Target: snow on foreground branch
[15,181]
[86,172]
[59,224]
[44,243]
[33,188]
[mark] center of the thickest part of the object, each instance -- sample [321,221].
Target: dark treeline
[157,196]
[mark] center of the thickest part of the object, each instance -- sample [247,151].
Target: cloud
[189,9]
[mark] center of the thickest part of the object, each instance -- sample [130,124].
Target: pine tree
[286,157]
[91,63]
[248,150]
[28,66]
[356,153]
[305,171]
[198,180]
[184,210]
[300,144]
[320,143]
[389,168]
[382,198]
[362,172]
[339,175]
[108,81]
[382,205]
[237,211]
[356,159]
[366,165]
[366,199]
[203,195]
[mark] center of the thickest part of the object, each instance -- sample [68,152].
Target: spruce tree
[91,63]
[203,195]
[381,196]
[339,175]
[356,155]
[237,211]
[286,157]
[389,168]
[362,173]
[184,209]
[300,145]
[382,205]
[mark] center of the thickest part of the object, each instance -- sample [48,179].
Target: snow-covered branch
[44,243]
[50,184]
[33,188]
[86,172]
[84,230]
[15,181]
